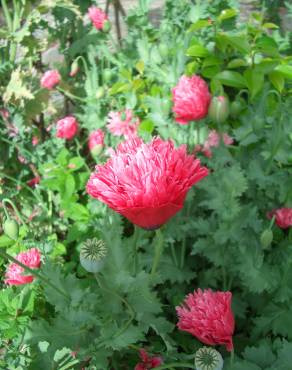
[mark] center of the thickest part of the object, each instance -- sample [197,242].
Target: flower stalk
[158,251]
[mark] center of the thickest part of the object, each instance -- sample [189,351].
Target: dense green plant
[70,318]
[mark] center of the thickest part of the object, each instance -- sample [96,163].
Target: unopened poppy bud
[236,107]
[106,26]
[219,109]
[163,50]
[74,68]
[11,229]
[266,238]
[92,255]
[208,359]
[99,93]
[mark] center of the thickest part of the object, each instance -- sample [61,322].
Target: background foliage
[215,241]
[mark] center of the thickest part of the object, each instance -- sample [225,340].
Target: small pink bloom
[191,99]
[50,79]
[148,362]
[122,123]
[4,113]
[12,129]
[95,138]
[22,159]
[283,217]
[35,140]
[15,274]
[208,316]
[34,181]
[146,182]
[213,140]
[97,17]
[67,128]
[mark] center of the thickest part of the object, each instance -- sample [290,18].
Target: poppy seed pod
[92,255]
[208,359]
[11,229]
[236,107]
[219,109]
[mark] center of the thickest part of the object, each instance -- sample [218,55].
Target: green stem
[135,248]
[6,200]
[175,365]
[174,255]
[272,222]
[7,15]
[69,95]
[183,252]
[232,359]
[158,251]
[34,273]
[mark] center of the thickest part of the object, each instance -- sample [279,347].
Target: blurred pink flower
[97,17]
[148,362]
[191,99]
[208,316]
[123,123]
[35,140]
[50,79]
[22,159]
[146,182]
[4,113]
[283,217]
[213,140]
[67,128]
[15,273]
[95,138]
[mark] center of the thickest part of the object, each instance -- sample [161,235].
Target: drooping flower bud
[11,229]
[208,359]
[107,75]
[74,68]
[266,238]
[92,255]
[219,109]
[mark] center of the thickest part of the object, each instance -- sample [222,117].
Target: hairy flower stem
[158,251]
[34,273]
[232,359]
[135,248]
[175,365]
[6,200]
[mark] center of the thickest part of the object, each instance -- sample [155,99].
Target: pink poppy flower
[283,217]
[213,140]
[35,140]
[146,182]
[123,123]
[50,79]
[15,274]
[97,17]
[191,99]
[207,315]
[67,128]
[148,362]
[96,141]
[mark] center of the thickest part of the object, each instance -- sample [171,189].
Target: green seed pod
[266,238]
[99,93]
[11,229]
[96,150]
[106,26]
[237,107]
[208,359]
[219,109]
[92,255]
